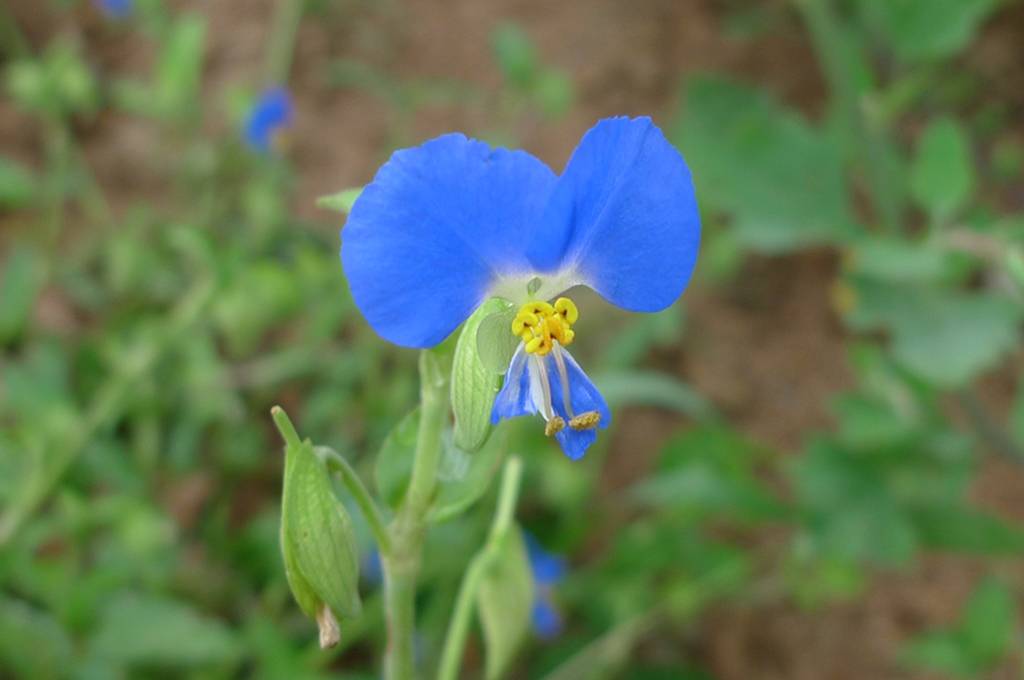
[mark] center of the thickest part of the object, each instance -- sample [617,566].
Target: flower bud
[317,542]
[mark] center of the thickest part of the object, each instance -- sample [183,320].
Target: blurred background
[816,465]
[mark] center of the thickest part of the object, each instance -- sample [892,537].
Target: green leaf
[942,176]
[952,527]
[989,622]
[898,260]
[341,202]
[473,384]
[151,630]
[32,642]
[495,342]
[778,177]
[649,388]
[941,651]
[17,186]
[944,336]
[504,600]
[926,29]
[465,477]
[515,54]
[319,545]
[394,460]
[20,281]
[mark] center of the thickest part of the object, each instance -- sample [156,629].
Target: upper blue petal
[623,216]
[271,112]
[437,226]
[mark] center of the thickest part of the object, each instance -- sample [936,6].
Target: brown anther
[585,421]
[554,426]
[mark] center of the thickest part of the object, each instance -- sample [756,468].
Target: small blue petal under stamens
[515,398]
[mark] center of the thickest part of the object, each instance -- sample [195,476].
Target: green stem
[336,462]
[402,563]
[287,16]
[862,137]
[458,628]
[997,439]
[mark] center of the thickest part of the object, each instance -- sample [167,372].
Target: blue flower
[116,9]
[548,570]
[448,224]
[270,114]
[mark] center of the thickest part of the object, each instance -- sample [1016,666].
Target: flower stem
[287,16]
[402,562]
[455,641]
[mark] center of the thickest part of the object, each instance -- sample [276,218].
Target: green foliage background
[143,340]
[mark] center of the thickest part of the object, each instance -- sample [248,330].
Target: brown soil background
[766,348]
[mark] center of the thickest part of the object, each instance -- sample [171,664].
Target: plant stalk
[402,561]
[458,628]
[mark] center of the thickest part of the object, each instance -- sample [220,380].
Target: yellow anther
[586,421]
[554,426]
[567,309]
[523,321]
[539,345]
[539,324]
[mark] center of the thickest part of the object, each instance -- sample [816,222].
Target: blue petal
[548,569]
[623,217]
[439,224]
[584,397]
[116,9]
[270,113]
[514,398]
[547,622]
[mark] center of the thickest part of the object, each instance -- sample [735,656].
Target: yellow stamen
[539,324]
[554,426]
[585,421]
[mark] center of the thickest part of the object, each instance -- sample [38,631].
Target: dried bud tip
[330,634]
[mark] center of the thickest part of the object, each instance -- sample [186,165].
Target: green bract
[481,355]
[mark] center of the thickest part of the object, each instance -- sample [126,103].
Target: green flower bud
[321,559]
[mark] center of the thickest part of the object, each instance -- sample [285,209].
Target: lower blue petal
[623,217]
[439,224]
[516,398]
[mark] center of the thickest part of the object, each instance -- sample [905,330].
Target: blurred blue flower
[372,568]
[117,9]
[448,224]
[270,114]
[548,570]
